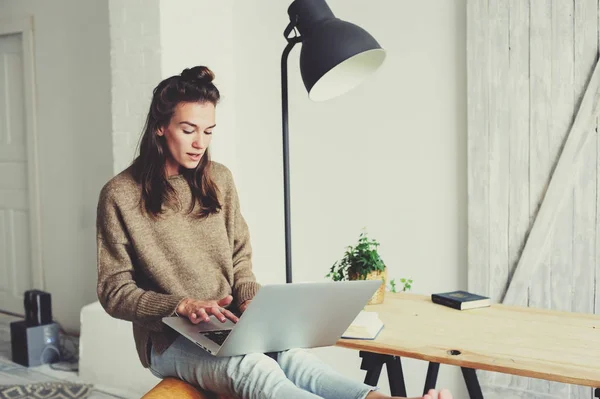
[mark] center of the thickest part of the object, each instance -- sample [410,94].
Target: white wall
[389,156]
[135,59]
[73,103]
[187,39]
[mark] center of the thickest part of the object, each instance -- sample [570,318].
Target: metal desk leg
[373,363]
[597,393]
[472,383]
[431,379]
[395,376]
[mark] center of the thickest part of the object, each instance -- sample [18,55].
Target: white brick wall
[135,70]
[208,42]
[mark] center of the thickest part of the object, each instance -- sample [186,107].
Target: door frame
[24,27]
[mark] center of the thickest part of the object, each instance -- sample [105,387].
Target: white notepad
[366,325]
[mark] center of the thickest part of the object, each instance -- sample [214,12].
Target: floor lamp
[336,56]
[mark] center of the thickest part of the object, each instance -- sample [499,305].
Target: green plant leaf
[361,259]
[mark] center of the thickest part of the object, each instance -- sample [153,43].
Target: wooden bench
[173,388]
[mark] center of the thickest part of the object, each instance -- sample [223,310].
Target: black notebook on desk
[461,300]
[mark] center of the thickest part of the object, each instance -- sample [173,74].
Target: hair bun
[198,75]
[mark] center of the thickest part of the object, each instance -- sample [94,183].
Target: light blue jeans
[297,374]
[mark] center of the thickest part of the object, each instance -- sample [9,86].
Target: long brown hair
[192,85]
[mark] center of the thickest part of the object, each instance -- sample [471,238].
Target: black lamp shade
[336,55]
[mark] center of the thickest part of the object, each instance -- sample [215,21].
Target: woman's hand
[198,311]
[244,305]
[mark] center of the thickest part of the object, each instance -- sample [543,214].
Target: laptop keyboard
[218,336]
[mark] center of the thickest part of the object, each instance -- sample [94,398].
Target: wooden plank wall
[529,63]
[586,38]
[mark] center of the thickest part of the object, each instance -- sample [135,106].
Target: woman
[172,241]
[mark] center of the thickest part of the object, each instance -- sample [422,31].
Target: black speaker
[38,308]
[34,345]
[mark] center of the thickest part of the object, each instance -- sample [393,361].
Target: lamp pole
[286,156]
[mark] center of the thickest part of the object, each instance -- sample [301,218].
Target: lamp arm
[286,163]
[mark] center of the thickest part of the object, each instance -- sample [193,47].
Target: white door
[19,247]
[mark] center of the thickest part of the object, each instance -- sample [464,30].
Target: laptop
[281,317]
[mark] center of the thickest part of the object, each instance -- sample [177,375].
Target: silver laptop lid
[298,315]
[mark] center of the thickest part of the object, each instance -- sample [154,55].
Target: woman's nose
[200,141]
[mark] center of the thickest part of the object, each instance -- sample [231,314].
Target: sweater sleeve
[117,289]
[244,285]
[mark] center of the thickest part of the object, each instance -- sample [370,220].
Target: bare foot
[432,394]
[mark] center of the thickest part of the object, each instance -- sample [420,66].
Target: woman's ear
[160,131]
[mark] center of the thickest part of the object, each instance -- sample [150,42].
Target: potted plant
[362,262]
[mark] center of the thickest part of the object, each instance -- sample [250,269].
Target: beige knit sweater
[147,266]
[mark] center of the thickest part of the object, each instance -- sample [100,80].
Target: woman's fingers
[217,313]
[230,315]
[223,314]
[199,311]
[245,305]
[193,316]
[225,301]
[201,315]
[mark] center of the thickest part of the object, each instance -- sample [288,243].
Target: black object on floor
[34,345]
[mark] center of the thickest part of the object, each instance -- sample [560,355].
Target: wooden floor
[12,373]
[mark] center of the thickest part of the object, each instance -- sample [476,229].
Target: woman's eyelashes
[192,131]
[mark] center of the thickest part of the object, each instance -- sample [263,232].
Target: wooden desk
[529,342]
